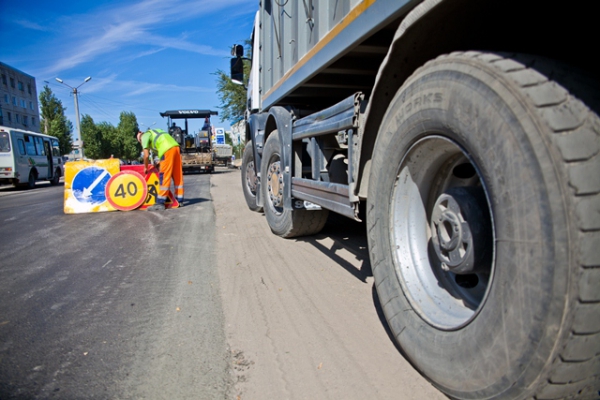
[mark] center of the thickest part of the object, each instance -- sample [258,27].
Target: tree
[96,146]
[103,140]
[233,96]
[54,121]
[108,140]
[129,147]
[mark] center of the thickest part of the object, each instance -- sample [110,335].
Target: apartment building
[18,99]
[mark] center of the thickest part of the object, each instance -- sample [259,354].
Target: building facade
[18,99]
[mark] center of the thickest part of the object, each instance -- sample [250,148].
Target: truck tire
[249,178]
[283,222]
[484,228]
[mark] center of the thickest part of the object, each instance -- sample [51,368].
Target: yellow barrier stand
[85,185]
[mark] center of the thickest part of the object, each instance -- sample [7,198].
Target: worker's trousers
[171,168]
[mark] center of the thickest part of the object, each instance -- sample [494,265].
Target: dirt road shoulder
[300,315]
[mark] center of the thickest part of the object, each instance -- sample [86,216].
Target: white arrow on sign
[87,192]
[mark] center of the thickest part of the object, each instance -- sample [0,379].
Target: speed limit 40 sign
[126,190]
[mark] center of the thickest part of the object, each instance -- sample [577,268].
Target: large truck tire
[484,228]
[283,222]
[249,178]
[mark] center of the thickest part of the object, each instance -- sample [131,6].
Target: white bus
[27,157]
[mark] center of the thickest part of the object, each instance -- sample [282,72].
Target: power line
[91,104]
[125,104]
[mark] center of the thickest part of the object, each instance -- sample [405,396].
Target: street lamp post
[76,109]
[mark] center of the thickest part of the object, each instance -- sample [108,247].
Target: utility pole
[79,140]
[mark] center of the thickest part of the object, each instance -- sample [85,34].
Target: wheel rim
[251,180]
[275,185]
[442,233]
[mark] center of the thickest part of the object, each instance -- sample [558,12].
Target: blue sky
[144,56]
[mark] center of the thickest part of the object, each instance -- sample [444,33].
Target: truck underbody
[466,133]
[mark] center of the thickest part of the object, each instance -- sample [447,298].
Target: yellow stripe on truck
[352,15]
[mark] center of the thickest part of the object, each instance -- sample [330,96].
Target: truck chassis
[472,149]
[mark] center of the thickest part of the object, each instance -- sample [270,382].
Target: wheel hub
[251,180]
[456,214]
[442,233]
[275,184]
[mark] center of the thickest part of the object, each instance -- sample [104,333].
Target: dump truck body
[466,134]
[223,153]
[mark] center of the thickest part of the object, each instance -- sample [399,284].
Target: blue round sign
[89,185]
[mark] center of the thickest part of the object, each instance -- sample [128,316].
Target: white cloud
[143,54]
[97,34]
[30,25]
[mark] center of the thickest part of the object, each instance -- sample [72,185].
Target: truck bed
[197,162]
[306,55]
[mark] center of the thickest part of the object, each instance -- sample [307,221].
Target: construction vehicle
[196,149]
[223,151]
[466,134]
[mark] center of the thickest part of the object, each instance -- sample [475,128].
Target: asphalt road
[119,305]
[202,302]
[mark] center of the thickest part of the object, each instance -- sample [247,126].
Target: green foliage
[100,140]
[94,145]
[232,96]
[228,140]
[53,120]
[109,139]
[128,146]
[104,140]
[62,128]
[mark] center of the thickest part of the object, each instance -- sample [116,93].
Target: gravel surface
[301,317]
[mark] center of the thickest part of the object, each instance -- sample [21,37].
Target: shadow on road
[349,235]
[188,202]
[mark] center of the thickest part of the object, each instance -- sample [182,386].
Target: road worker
[167,148]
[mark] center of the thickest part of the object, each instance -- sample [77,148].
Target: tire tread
[247,156]
[289,223]
[574,372]
[577,138]
[306,223]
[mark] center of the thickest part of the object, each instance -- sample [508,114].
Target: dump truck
[196,149]
[465,133]
[223,153]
